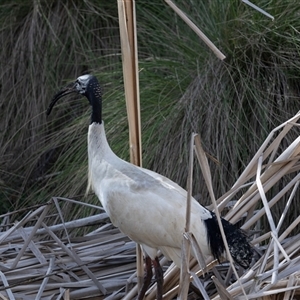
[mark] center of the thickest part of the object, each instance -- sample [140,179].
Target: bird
[148,207]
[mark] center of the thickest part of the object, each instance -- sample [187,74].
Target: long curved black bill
[70,88]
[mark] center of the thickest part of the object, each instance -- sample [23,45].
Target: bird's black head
[86,85]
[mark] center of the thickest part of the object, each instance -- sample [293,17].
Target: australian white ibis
[146,206]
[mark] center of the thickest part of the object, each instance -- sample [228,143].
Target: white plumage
[144,205]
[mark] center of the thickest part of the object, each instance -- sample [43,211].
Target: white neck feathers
[98,149]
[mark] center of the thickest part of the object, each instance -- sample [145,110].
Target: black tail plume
[240,250]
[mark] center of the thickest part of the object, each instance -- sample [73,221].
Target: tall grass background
[233,104]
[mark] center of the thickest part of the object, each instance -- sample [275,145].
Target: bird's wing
[165,181]
[148,208]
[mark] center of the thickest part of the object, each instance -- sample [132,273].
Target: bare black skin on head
[88,86]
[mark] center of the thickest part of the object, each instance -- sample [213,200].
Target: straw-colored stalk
[202,36]
[185,249]
[127,24]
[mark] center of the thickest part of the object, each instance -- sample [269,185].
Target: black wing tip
[239,247]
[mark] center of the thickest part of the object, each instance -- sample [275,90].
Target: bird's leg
[159,278]
[147,278]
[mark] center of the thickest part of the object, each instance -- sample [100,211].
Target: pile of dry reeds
[40,260]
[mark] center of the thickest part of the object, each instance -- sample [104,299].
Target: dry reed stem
[207,176]
[258,9]
[184,281]
[202,36]
[127,23]
[128,36]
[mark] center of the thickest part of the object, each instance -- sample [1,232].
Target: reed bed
[45,257]
[40,261]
